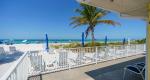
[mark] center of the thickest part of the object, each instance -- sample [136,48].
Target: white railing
[64,59]
[33,63]
[19,70]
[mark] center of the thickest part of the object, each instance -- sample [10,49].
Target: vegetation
[76,44]
[56,46]
[141,41]
[88,44]
[90,17]
[72,45]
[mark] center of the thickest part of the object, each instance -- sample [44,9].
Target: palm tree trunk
[93,38]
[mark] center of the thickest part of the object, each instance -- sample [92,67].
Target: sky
[32,19]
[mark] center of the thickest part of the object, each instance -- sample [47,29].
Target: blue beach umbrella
[82,39]
[106,39]
[47,47]
[124,41]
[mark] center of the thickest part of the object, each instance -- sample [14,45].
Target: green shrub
[115,43]
[72,45]
[142,41]
[56,46]
[89,44]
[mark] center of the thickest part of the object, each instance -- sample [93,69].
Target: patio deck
[8,62]
[110,70]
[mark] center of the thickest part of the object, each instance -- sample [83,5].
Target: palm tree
[90,16]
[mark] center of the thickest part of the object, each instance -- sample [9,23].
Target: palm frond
[79,25]
[110,22]
[98,15]
[78,21]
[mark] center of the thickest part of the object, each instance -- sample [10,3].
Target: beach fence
[19,70]
[36,60]
[34,63]
[69,58]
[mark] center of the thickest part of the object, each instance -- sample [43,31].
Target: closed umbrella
[82,41]
[124,41]
[47,46]
[106,39]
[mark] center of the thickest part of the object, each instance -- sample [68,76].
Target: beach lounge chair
[50,61]
[104,54]
[2,53]
[50,65]
[63,59]
[56,61]
[140,49]
[91,57]
[98,55]
[120,51]
[140,65]
[135,69]
[33,53]
[76,59]
[110,52]
[131,50]
[51,51]
[36,60]
[13,50]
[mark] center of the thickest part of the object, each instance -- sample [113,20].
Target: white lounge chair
[140,49]
[63,59]
[103,54]
[98,55]
[36,60]
[56,61]
[76,59]
[13,50]
[2,53]
[33,53]
[110,52]
[90,57]
[120,51]
[50,61]
[131,50]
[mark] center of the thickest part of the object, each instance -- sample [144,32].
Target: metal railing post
[96,54]
[135,49]
[106,55]
[126,51]
[40,76]
[114,51]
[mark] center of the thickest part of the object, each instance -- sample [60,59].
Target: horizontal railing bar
[13,67]
[123,52]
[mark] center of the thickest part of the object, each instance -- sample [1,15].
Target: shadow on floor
[11,57]
[115,72]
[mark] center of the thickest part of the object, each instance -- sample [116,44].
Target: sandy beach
[29,47]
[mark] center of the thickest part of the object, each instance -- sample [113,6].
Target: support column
[148,46]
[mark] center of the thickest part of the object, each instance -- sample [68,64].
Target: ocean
[36,41]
